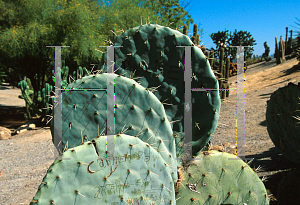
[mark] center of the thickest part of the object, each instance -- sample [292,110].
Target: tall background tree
[221,40]
[36,24]
[226,39]
[169,13]
[242,38]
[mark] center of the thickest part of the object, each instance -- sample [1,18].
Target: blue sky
[264,19]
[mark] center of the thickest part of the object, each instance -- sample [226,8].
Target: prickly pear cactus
[137,113]
[215,177]
[137,175]
[282,115]
[150,53]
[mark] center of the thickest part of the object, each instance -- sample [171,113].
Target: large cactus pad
[137,113]
[136,175]
[151,52]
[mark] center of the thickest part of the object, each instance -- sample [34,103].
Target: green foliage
[3,75]
[166,13]
[32,25]
[169,13]
[221,40]
[298,23]
[241,38]
[114,15]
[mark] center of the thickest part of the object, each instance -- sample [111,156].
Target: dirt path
[25,158]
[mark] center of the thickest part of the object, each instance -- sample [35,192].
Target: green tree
[221,40]
[27,26]
[241,38]
[125,14]
[168,13]
[122,15]
[30,25]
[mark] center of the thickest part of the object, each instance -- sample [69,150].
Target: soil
[12,108]
[19,182]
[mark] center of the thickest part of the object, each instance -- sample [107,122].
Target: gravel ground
[22,168]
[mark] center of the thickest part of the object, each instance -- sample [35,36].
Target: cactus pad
[282,115]
[213,178]
[84,175]
[137,113]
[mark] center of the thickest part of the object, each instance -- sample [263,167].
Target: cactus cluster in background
[210,55]
[43,100]
[195,38]
[40,106]
[283,48]
[289,42]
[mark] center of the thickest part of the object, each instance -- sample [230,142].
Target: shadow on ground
[294,69]
[275,166]
[3,87]
[12,117]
